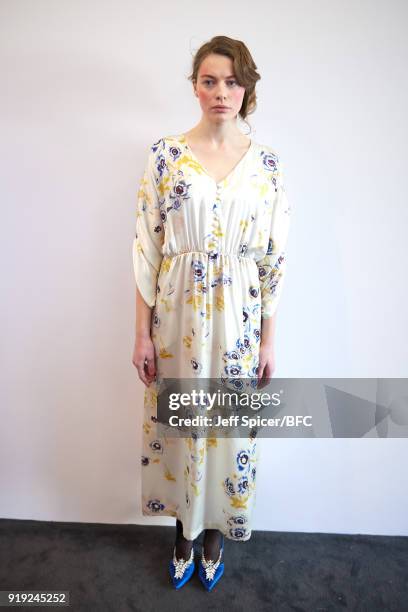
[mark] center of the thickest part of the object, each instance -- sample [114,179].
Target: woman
[209,260]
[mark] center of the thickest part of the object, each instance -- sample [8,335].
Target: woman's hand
[144,359]
[266,365]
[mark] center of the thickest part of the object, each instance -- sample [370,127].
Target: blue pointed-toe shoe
[180,569]
[211,571]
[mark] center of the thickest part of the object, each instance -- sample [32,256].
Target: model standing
[209,259]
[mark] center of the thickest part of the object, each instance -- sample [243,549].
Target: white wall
[86,88]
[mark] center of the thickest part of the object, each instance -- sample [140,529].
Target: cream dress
[209,258]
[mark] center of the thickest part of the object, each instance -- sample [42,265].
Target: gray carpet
[124,567]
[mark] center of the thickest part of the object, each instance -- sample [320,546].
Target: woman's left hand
[266,365]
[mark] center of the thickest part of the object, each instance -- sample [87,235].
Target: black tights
[212,543]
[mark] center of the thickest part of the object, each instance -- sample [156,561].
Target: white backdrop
[86,88]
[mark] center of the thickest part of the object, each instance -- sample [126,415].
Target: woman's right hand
[144,359]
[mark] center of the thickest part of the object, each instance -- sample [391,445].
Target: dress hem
[206,525]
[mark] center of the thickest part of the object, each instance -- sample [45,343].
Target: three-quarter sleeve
[149,235]
[272,267]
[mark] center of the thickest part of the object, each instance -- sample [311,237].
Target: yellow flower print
[263,189]
[187,340]
[195,489]
[163,186]
[191,163]
[147,428]
[196,301]
[168,475]
[167,304]
[237,502]
[202,452]
[247,360]
[219,303]
[166,263]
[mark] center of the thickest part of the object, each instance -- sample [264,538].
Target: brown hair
[244,68]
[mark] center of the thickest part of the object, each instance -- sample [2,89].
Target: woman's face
[217,85]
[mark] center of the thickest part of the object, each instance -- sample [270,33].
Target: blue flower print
[244,346]
[243,485]
[243,460]
[156,446]
[238,529]
[222,280]
[179,193]
[245,314]
[270,161]
[233,370]
[156,145]
[196,365]
[237,520]
[274,276]
[229,487]
[198,270]
[155,505]
[175,152]
[161,164]
[238,533]
[253,372]
[243,249]
[232,354]
[263,271]
[237,384]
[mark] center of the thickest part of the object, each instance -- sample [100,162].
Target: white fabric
[209,258]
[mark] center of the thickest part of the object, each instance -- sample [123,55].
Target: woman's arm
[143,354]
[143,316]
[266,366]
[147,257]
[268,331]
[272,270]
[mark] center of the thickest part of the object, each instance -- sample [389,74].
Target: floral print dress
[209,258]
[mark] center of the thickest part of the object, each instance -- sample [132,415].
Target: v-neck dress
[209,259]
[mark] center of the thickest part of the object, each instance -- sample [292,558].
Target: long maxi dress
[209,258]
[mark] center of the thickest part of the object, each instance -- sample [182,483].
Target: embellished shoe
[181,570]
[211,571]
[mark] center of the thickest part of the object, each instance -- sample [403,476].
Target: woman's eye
[207,81]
